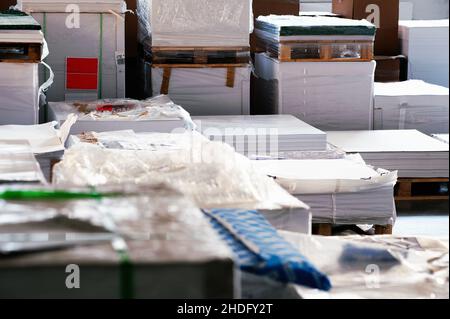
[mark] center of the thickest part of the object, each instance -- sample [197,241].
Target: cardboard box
[268,7]
[383,13]
[391,68]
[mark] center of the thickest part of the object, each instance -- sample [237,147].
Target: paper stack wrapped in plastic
[128,242]
[340,192]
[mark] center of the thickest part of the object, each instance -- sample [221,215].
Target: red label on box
[82,73]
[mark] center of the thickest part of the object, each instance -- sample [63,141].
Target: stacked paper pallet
[21,51]
[426,44]
[411,153]
[411,105]
[199,51]
[342,191]
[262,134]
[86,39]
[319,69]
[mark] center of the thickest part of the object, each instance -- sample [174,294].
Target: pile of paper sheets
[262,134]
[426,44]
[18,164]
[187,23]
[342,191]
[411,153]
[327,95]
[204,91]
[158,114]
[412,104]
[162,234]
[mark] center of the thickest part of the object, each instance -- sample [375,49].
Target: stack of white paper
[18,164]
[342,191]
[186,23]
[426,44]
[204,91]
[411,153]
[412,104]
[262,134]
[327,95]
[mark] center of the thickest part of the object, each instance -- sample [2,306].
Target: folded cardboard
[327,95]
[384,14]
[411,105]
[411,153]
[426,44]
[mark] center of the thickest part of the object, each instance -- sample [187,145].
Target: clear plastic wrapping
[120,110]
[185,23]
[210,179]
[377,267]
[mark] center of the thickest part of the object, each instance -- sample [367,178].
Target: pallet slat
[20,52]
[408,189]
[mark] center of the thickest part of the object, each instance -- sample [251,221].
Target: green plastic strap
[100,58]
[51,195]
[126,273]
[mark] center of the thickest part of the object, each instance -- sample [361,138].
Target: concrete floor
[423,219]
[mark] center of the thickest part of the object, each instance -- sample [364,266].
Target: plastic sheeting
[185,23]
[411,105]
[327,95]
[379,267]
[204,91]
[227,180]
[158,114]
[160,239]
[342,191]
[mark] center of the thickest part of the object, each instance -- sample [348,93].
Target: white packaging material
[442,137]
[87,48]
[411,105]
[426,44]
[404,267]
[43,138]
[327,95]
[341,191]
[227,180]
[18,164]
[158,114]
[262,134]
[19,93]
[187,23]
[411,153]
[204,91]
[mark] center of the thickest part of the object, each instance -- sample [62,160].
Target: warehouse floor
[423,219]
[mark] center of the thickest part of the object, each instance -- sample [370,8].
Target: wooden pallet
[167,72]
[327,229]
[200,55]
[421,189]
[319,51]
[20,52]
